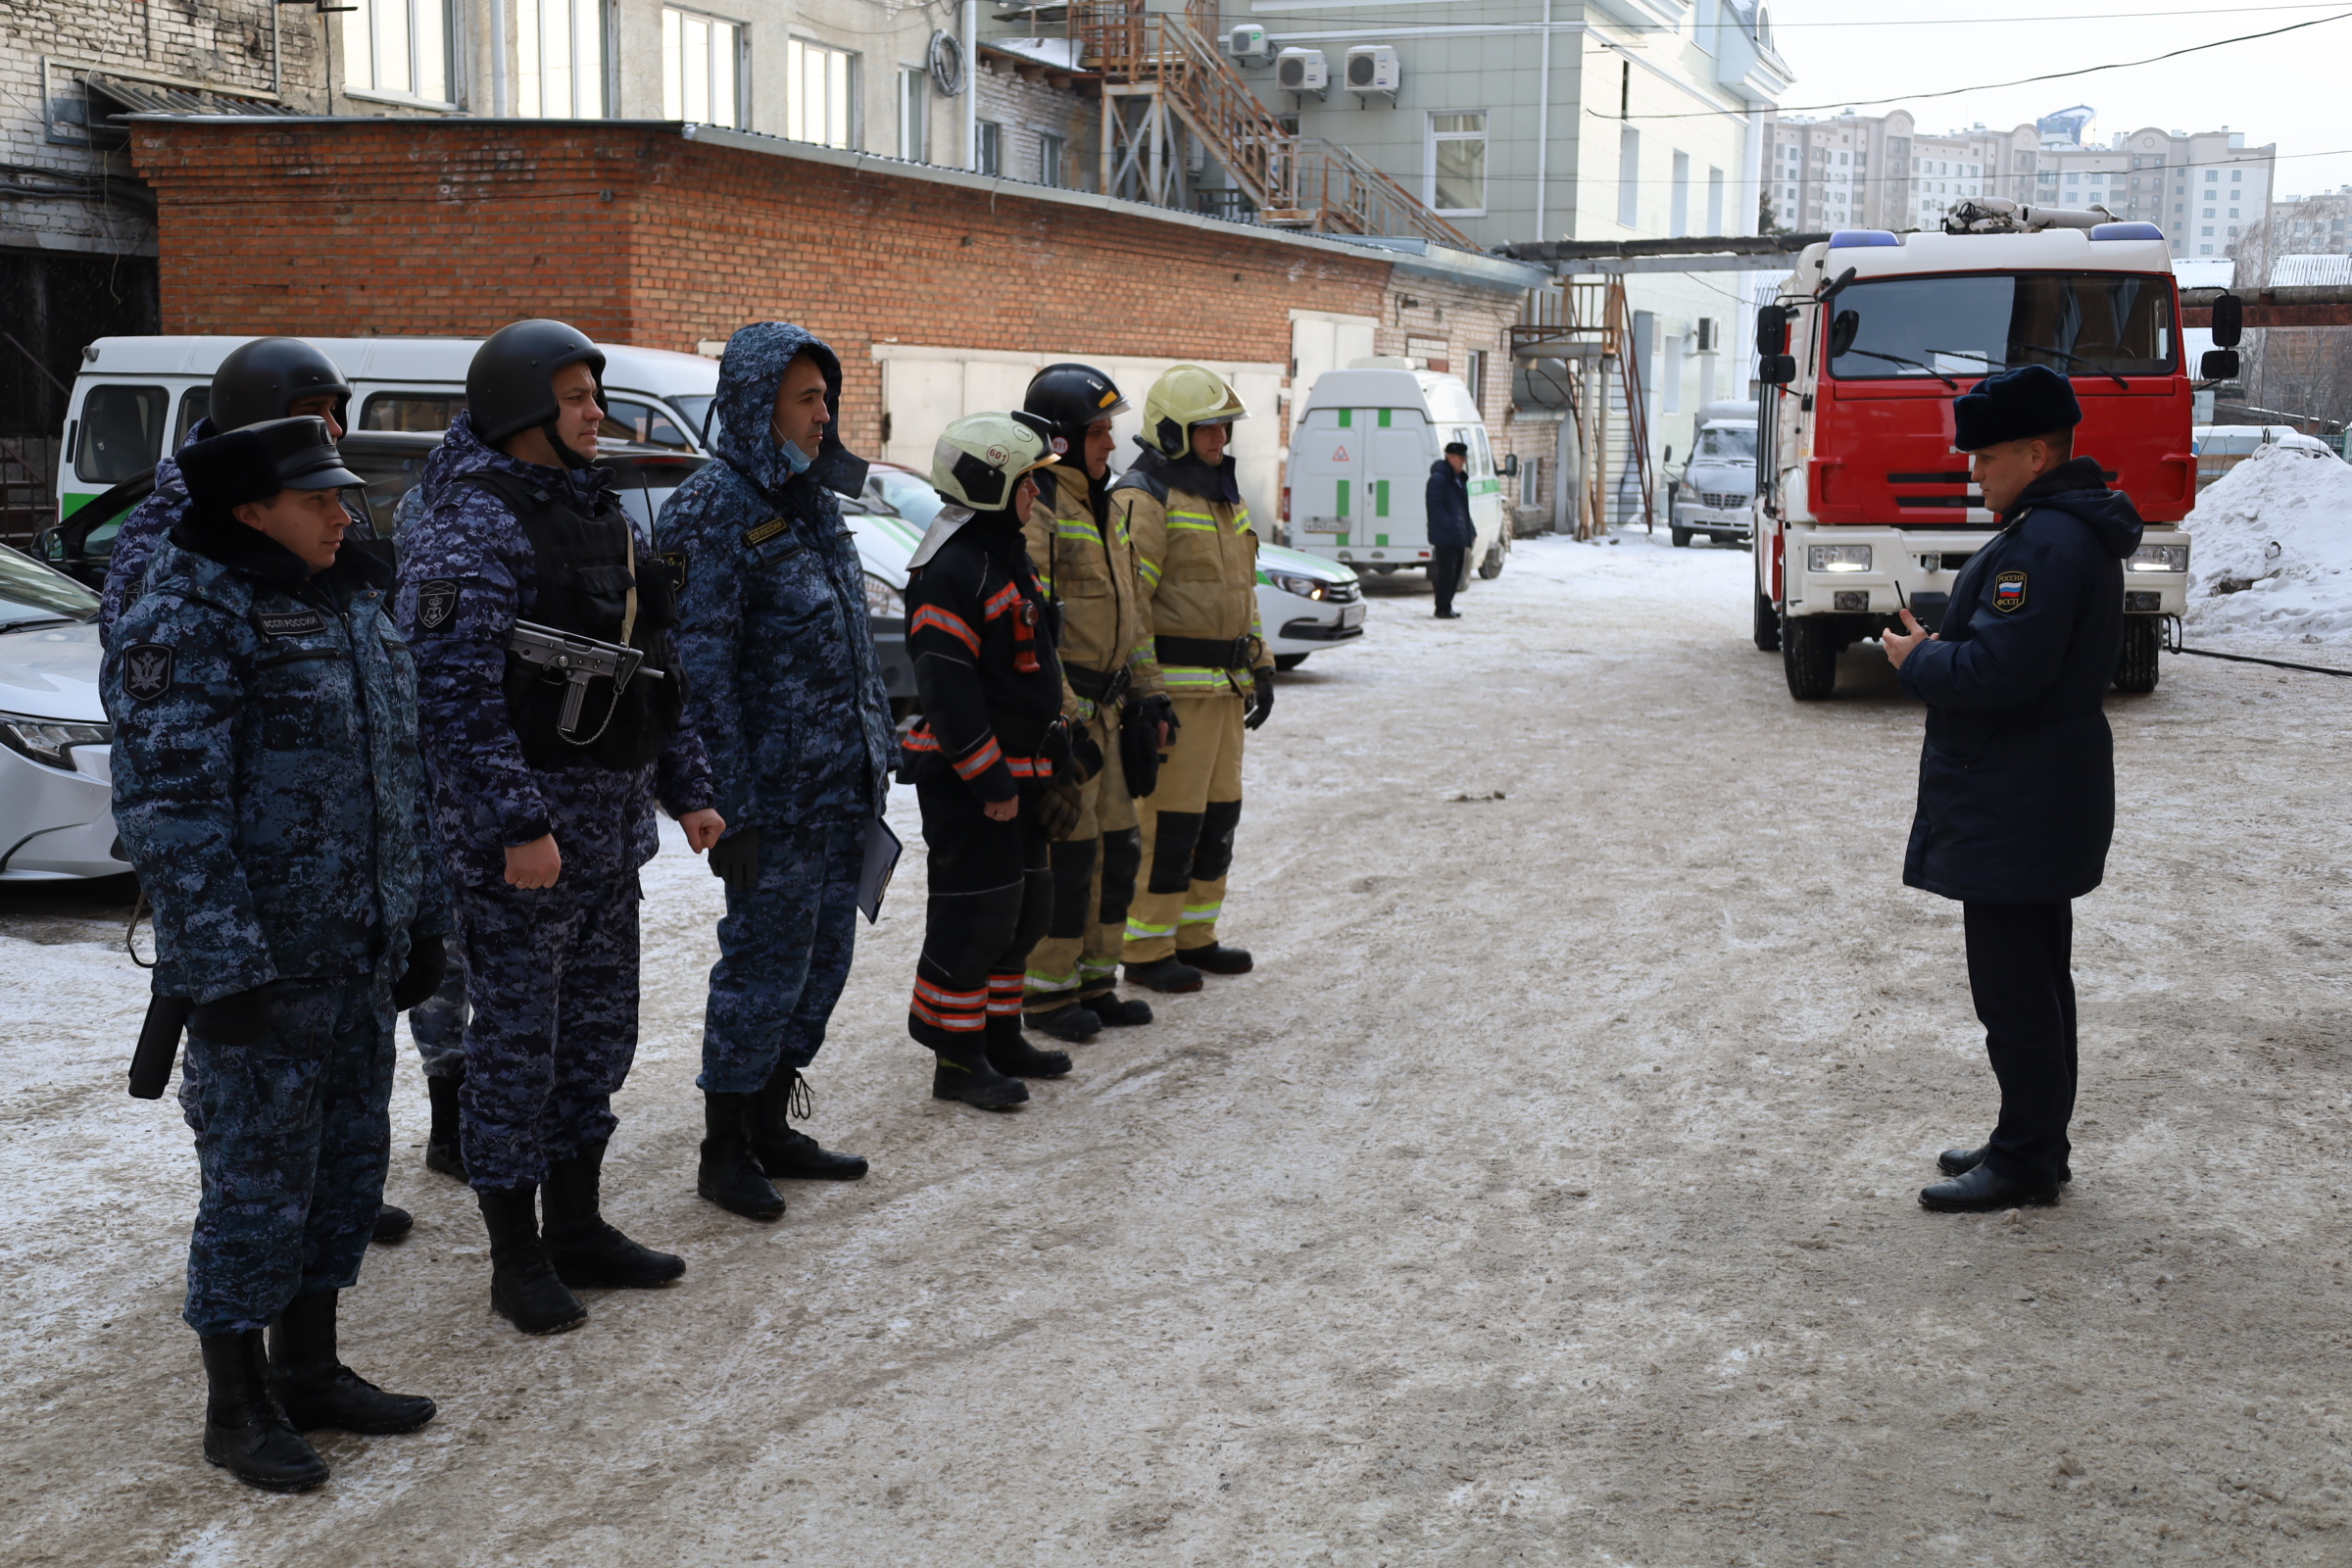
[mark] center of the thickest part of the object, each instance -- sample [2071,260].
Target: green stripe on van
[1343,501]
[1384,418]
[1347,418]
[69,504]
[1380,497]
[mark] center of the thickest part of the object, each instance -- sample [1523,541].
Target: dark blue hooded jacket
[2017,776]
[1447,498]
[782,680]
[487,797]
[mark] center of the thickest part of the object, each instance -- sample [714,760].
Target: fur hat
[2030,400]
[256,463]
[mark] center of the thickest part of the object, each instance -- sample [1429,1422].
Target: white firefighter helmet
[1186,395]
[981,457]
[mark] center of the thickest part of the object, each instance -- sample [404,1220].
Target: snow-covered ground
[1545,1196]
[2270,549]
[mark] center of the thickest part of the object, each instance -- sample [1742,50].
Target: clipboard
[879,851]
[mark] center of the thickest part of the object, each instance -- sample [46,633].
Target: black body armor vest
[584,583]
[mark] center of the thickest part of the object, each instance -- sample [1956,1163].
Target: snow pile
[2271,548]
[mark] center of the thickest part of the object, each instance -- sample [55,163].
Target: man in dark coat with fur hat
[2017,776]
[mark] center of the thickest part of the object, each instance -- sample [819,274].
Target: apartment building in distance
[2204,188]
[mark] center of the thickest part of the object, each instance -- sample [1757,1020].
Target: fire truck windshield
[1975,324]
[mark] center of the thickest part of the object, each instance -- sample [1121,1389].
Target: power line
[1996,86]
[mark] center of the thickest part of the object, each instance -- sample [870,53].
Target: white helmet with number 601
[981,458]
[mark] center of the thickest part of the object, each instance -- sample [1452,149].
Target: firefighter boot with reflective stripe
[784,1151]
[963,1072]
[315,1389]
[441,1143]
[1070,1022]
[1166,975]
[1216,958]
[728,1176]
[585,1250]
[523,1287]
[245,1433]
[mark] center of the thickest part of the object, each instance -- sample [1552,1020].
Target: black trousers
[1446,572]
[992,897]
[2020,971]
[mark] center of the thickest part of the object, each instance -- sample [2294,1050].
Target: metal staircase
[1160,71]
[1587,328]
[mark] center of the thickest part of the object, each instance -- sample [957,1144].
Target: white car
[1305,604]
[55,786]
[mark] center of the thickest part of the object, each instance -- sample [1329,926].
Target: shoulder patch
[675,561]
[436,604]
[288,622]
[2009,592]
[765,531]
[146,670]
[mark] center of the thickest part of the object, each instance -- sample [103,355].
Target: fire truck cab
[1862,504]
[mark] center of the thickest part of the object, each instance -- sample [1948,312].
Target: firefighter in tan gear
[1114,690]
[1196,558]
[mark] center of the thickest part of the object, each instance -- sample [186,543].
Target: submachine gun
[580,659]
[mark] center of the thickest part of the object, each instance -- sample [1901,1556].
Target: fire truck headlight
[2160,558]
[1838,557]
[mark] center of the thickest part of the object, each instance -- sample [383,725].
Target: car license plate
[1351,615]
[1325,526]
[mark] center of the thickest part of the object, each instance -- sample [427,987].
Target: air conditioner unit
[1374,68]
[1302,71]
[1248,45]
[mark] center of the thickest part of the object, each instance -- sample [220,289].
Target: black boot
[245,1433]
[1216,958]
[315,1389]
[391,1224]
[1981,1190]
[964,1073]
[1070,1022]
[1016,1058]
[1960,1161]
[784,1151]
[523,1287]
[584,1249]
[441,1151]
[1164,975]
[1119,1012]
[728,1175]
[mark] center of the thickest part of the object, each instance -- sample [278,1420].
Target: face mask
[798,459]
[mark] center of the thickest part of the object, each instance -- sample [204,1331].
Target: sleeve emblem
[675,561]
[146,670]
[436,604]
[2009,592]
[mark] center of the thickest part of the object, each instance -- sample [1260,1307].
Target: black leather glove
[1262,697]
[1055,808]
[735,860]
[428,964]
[1161,709]
[1085,757]
[240,1018]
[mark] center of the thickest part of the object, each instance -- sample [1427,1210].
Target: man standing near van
[1452,533]
[543,824]
[1197,557]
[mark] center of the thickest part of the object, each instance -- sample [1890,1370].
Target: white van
[135,398]
[1360,466]
[1716,490]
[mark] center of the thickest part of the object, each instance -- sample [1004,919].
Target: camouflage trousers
[784,953]
[438,1024]
[292,1138]
[551,975]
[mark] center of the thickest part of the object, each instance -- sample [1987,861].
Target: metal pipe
[499,102]
[971,85]
[1543,122]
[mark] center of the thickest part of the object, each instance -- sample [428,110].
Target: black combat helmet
[510,386]
[1069,398]
[260,380]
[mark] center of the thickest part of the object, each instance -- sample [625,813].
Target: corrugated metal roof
[152,98]
[2311,271]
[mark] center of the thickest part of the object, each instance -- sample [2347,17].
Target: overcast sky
[2290,90]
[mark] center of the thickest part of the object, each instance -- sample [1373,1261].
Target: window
[817,84]
[2084,323]
[2212,174]
[991,148]
[700,69]
[400,48]
[2236,175]
[1629,176]
[559,46]
[194,403]
[1678,197]
[1474,375]
[914,114]
[1048,160]
[122,432]
[645,425]
[1714,201]
[1457,162]
[410,410]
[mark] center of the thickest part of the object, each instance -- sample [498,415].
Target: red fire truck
[1862,504]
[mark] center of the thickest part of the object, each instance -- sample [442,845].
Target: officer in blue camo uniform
[786,695]
[542,832]
[268,787]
